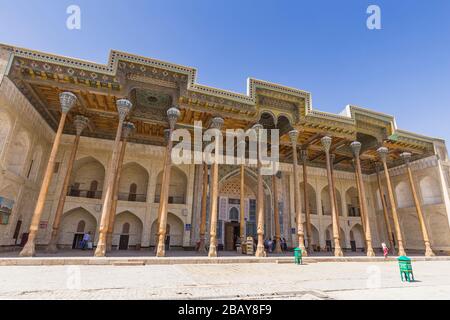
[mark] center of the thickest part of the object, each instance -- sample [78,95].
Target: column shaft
[428,251]
[29,250]
[385,213]
[326,143]
[107,202]
[112,213]
[213,198]
[242,205]
[309,234]
[276,215]
[401,249]
[260,251]
[363,207]
[52,247]
[164,199]
[202,247]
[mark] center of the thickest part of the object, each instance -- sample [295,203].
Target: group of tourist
[270,244]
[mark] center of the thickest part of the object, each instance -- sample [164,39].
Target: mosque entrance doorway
[231,235]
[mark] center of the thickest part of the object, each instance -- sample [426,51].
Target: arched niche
[312,203]
[326,201]
[175,229]
[127,231]
[352,202]
[430,191]
[17,153]
[87,178]
[404,195]
[177,188]
[74,224]
[133,183]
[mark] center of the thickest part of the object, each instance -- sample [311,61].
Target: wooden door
[123,243]
[229,233]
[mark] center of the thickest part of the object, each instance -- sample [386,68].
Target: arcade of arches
[344,180]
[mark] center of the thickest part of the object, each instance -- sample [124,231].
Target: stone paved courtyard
[323,280]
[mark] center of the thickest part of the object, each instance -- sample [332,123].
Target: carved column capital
[172,115]
[67,101]
[326,143]
[406,157]
[123,108]
[293,134]
[383,152]
[80,123]
[356,148]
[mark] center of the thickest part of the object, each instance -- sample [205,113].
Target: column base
[260,252]
[370,252]
[100,251]
[278,248]
[304,251]
[161,252]
[29,250]
[212,251]
[429,252]
[338,252]
[201,246]
[401,252]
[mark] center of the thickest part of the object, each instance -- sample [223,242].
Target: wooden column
[242,206]
[293,135]
[260,251]
[326,143]
[276,213]
[309,234]
[202,247]
[80,123]
[172,114]
[356,148]
[164,186]
[67,101]
[406,156]
[216,124]
[363,219]
[383,153]
[123,108]
[127,129]
[387,220]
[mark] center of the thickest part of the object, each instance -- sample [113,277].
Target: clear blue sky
[319,46]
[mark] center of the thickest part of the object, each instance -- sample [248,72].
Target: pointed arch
[430,190]
[404,195]
[71,223]
[175,229]
[129,225]
[133,183]
[87,179]
[177,188]
[17,153]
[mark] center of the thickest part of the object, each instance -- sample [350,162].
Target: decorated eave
[153,86]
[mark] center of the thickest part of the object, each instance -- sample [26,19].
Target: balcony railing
[85,194]
[172,199]
[354,212]
[133,197]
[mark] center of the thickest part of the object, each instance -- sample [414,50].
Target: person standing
[385,250]
[86,239]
